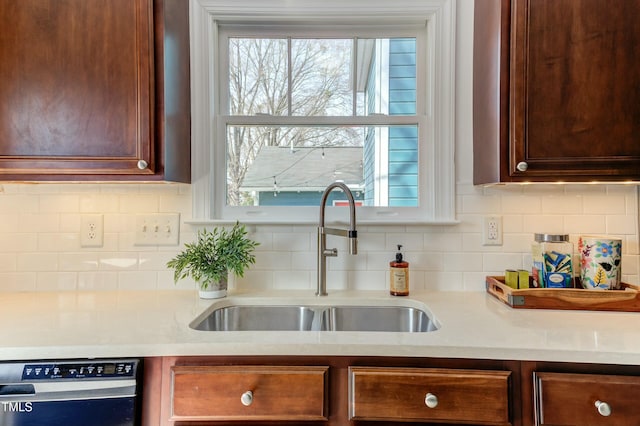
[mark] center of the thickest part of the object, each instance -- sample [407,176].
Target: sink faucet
[351,233]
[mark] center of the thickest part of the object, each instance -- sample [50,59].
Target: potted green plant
[210,259]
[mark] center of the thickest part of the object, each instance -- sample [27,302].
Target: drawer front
[586,399]
[422,394]
[249,393]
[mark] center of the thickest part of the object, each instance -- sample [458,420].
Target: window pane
[321,77]
[291,166]
[258,76]
[386,75]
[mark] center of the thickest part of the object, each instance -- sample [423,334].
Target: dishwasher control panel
[79,370]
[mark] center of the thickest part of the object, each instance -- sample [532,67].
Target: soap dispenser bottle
[399,275]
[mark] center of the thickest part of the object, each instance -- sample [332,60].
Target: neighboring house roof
[304,169]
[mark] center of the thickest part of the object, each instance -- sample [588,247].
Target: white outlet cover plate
[91,230]
[492,231]
[157,229]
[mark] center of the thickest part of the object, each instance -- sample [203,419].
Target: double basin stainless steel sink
[258,317]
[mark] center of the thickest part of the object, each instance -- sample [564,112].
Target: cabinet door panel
[573,399]
[278,392]
[76,87]
[575,102]
[394,394]
[555,91]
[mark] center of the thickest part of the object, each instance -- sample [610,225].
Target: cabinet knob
[142,164]
[247,398]
[431,400]
[603,408]
[522,166]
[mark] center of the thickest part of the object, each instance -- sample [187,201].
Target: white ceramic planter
[215,290]
[212,294]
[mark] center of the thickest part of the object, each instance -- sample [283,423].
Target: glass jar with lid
[552,265]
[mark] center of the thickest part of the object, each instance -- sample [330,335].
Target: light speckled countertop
[156,323]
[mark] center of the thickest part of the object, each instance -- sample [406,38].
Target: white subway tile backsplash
[273,261]
[543,224]
[522,204]
[58,242]
[78,261]
[501,261]
[304,260]
[443,281]
[480,204]
[39,222]
[611,203]
[97,281]
[57,281]
[28,262]
[585,224]
[368,280]
[139,203]
[291,241]
[8,262]
[137,280]
[560,204]
[101,203]
[621,224]
[40,249]
[18,281]
[295,280]
[59,203]
[20,204]
[118,261]
[154,261]
[442,242]
[462,262]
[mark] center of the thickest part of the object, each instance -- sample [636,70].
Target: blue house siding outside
[403,141]
[402,149]
[369,147]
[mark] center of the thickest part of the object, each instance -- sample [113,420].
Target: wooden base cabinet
[332,391]
[400,391]
[249,393]
[586,399]
[429,395]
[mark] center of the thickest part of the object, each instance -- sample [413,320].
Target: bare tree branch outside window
[260,83]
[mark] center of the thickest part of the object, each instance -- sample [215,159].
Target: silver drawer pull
[431,400]
[603,408]
[522,166]
[142,164]
[247,398]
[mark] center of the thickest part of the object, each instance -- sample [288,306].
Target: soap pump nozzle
[399,253]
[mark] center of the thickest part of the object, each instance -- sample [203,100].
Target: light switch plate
[157,229]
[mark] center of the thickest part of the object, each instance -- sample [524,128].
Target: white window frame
[436,160]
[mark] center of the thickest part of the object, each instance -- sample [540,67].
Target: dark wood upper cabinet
[556,91]
[83,90]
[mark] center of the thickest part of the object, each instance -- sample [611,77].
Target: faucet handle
[331,252]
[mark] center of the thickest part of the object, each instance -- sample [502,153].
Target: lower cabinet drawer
[422,394]
[586,399]
[276,393]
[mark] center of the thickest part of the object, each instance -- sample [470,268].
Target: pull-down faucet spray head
[351,233]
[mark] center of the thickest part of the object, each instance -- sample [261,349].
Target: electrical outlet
[492,231]
[157,229]
[91,230]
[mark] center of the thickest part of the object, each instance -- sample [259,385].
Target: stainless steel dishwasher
[69,393]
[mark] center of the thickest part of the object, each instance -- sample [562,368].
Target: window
[289,98]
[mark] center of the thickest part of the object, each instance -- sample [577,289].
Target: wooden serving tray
[626,300]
